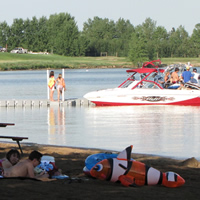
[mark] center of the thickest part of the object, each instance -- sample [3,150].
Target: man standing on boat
[187,75]
[174,76]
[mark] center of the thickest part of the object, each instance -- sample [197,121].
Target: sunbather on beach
[25,168]
[12,158]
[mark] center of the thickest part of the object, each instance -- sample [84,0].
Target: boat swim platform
[45,102]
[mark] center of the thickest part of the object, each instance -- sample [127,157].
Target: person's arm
[6,164]
[64,84]
[30,170]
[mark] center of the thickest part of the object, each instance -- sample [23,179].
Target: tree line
[59,34]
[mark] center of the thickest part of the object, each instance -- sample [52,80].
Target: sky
[166,13]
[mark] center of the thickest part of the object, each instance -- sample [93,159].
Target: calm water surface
[161,130]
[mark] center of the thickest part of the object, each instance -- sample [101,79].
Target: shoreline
[71,161]
[85,149]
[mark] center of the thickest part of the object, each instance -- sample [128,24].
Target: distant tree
[122,37]
[195,41]
[161,38]
[16,37]
[4,33]
[138,47]
[104,35]
[178,42]
[98,33]
[142,43]
[31,31]
[63,34]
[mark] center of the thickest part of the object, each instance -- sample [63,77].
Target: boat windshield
[149,85]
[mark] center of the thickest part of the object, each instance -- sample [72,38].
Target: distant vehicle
[19,50]
[2,49]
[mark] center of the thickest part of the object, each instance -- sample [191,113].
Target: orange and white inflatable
[133,173]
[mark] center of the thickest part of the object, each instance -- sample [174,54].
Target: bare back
[174,77]
[22,169]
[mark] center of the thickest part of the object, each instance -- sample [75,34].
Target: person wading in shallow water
[51,84]
[60,85]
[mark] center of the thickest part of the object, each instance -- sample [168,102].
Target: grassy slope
[10,61]
[36,61]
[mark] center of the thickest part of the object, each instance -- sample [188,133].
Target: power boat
[143,87]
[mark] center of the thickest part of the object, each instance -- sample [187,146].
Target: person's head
[51,74]
[181,84]
[167,73]
[187,67]
[13,156]
[60,76]
[35,157]
[176,69]
[195,70]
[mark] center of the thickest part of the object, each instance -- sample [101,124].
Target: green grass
[10,61]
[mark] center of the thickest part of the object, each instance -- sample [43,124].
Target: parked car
[2,49]
[19,50]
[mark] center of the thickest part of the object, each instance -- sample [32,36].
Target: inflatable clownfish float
[131,172]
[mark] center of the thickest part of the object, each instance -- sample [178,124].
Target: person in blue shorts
[187,75]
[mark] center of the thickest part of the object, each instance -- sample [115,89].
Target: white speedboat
[143,88]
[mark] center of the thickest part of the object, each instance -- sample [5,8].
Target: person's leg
[51,95]
[58,94]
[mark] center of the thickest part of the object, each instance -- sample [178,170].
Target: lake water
[159,130]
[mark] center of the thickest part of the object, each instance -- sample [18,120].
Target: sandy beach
[80,186]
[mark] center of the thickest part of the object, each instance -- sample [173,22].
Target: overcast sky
[166,13]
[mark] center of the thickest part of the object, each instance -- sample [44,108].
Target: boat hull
[125,97]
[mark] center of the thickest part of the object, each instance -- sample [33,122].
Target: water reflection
[56,124]
[163,130]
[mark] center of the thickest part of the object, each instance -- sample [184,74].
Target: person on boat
[174,76]
[196,75]
[166,79]
[51,84]
[182,87]
[186,76]
[12,158]
[60,85]
[25,168]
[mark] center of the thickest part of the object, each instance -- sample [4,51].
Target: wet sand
[80,186]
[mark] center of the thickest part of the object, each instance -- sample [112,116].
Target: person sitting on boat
[196,75]
[187,75]
[174,76]
[167,79]
[182,87]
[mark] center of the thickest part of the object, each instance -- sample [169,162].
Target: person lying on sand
[25,168]
[12,158]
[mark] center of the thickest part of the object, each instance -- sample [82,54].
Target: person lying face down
[25,168]
[12,158]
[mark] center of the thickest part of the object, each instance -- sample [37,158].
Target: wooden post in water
[47,84]
[63,91]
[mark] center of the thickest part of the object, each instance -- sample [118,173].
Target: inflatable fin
[125,154]
[171,179]
[127,180]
